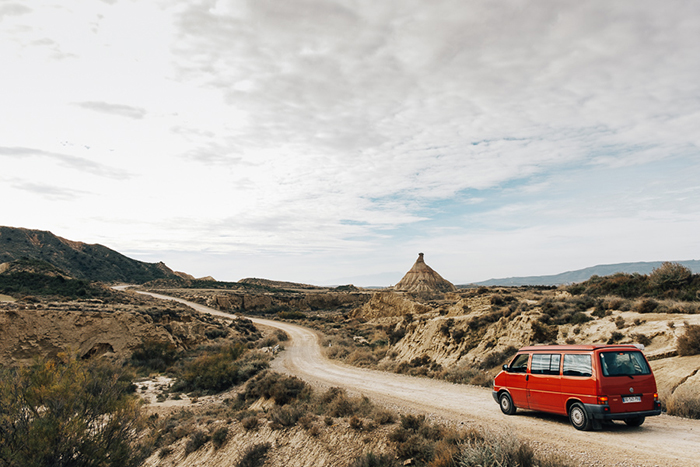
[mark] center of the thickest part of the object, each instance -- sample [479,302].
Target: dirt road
[661,441]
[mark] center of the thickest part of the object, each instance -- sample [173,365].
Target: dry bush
[195,441]
[641,339]
[362,358]
[689,342]
[356,423]
[684,402]
[254,456]
[219,436]
[250,423]
[647,305]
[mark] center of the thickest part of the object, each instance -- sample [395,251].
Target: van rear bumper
[598,412]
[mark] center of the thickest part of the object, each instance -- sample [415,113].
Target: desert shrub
[579,318]
[542,333]
[218,371]
[647,305]
[641,339]
[488,449]
[396,335]
[465,374]
[306,421]
[286,415]
[412,422]
[82,411]
[292,315]
[670,275]
[195,441]
[684,402]
[154,355]
[615,337]
[384,417]
[417,448]
[689,342]
[361,357]
[218,438]
[355,423]
[283,389]
[250,423]
[498,358]
[371,459]
[281,335]
[620,322]
[254,456]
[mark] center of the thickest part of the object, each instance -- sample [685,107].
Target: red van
[589,383]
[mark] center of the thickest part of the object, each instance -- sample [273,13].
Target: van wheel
[579,418]
[636,421]
[506,403]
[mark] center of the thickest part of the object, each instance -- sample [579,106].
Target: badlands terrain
[263,373]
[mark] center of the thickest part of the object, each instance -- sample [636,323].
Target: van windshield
[623,363]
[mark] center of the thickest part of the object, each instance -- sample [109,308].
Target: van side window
[519,365]
[577,365]
[545,364]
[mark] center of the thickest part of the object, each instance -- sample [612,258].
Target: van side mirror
[505,367]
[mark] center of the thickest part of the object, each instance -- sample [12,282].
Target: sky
[329,142]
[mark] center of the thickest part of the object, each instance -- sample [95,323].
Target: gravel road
[660,441]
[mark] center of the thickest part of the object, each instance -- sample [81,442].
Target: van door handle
[527,377]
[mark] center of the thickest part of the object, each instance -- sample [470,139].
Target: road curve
[661,441]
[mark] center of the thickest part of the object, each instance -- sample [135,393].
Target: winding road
[661,441]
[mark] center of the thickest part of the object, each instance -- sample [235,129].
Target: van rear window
[577,365]
[623,363]
[545,364]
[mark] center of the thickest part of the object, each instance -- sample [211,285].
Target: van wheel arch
[506,403]
[578,416]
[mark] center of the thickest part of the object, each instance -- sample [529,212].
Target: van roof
[549,348]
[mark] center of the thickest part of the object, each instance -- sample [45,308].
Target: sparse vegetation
[689,342]
[69,412]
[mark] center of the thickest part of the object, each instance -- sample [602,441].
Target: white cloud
[345,129]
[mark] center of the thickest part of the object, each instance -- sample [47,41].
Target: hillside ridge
[79,260]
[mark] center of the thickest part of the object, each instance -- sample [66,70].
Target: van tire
[506,404]
[636,421]
[579,417]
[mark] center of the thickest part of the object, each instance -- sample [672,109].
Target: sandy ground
[661,441]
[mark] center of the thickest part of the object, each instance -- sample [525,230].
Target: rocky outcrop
[41,329]
[251,302]
[421,278]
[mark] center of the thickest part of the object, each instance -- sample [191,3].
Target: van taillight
[602,400]
[656,397]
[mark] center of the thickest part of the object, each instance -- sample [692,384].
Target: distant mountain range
[582,275]
[78,260]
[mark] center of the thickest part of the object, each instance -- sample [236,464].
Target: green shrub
[75,410]
[689,342]
[254,456]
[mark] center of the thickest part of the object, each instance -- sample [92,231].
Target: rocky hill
[76,259]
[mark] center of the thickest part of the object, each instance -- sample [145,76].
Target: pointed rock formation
[421,278]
